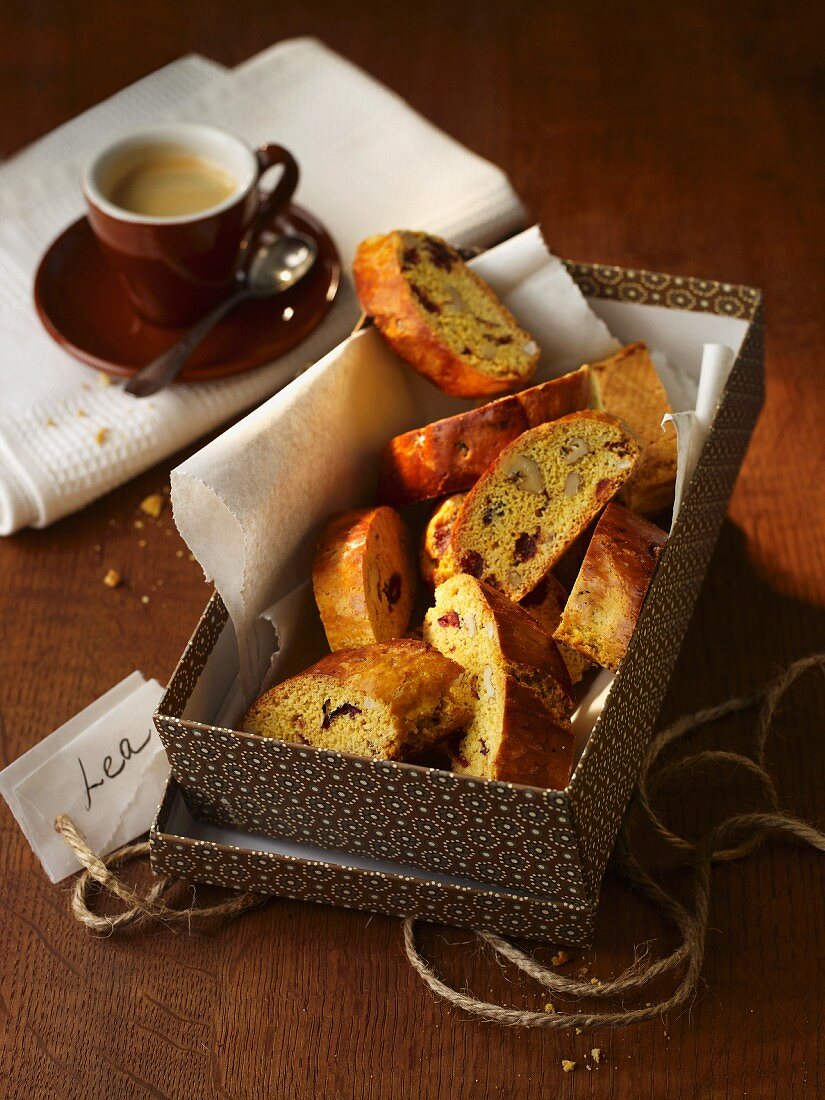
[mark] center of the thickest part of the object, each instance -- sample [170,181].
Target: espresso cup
[172,209]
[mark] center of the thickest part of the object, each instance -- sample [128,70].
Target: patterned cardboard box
[520,843]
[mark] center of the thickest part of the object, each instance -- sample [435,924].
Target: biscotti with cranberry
[440,317]
[546,604]
[364,577]
[538,496]
[522,698]
[628,386]
[601,614]
[435,543]
[451,455]
[388,701]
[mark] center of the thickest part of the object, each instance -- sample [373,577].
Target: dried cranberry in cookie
[440,317]
[520,690]
[364,577]
[538,496]
[599,618]
[388,701]
[452,454]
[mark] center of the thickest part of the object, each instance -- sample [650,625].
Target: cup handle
[271,202]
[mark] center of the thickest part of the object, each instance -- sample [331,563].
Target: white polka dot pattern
[550,844]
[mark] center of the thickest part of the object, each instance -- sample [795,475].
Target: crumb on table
[112,578]
[567,1065]
[560,958]
[152,505]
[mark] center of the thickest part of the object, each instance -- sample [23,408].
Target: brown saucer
[83,306]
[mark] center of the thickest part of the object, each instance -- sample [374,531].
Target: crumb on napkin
[101,436]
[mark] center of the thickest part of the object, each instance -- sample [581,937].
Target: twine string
[734,838]
[140,907]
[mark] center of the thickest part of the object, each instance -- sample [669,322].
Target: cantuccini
[536,498]
[364,577]
[522,698]
[387,701]
[452,454]
[628,386]
[601,614]
[440,317]
[435,544]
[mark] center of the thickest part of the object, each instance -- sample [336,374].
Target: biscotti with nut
[435,542]
[440,317]
[451,454]
[538,496]
[364,577]
[387,701]
[628,386]
[522,698]
[601,614]
[545,604]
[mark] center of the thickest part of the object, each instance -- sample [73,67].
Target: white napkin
[369,163]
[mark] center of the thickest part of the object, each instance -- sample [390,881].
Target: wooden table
[686,138]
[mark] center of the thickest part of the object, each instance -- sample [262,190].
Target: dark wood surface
[685,138]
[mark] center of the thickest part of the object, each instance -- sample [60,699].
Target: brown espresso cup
[174,209]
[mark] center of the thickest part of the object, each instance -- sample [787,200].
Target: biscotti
[600,616]
[628,386]
[388,701]
[435,543]
[545,604]
[364,578]
[520,730]
[452,454]
[440,317]
[536,498]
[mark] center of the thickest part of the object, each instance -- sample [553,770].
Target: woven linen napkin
[369,163]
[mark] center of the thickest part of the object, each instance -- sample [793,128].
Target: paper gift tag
[106,768]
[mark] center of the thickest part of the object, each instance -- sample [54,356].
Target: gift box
[261,814]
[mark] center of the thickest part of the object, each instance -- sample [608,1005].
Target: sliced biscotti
[545,604]
[435,542]
[628,386]
[387,701]
[536,498]
[364,577]
[452,454]
[439,316]
[600,616]
[520,730]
